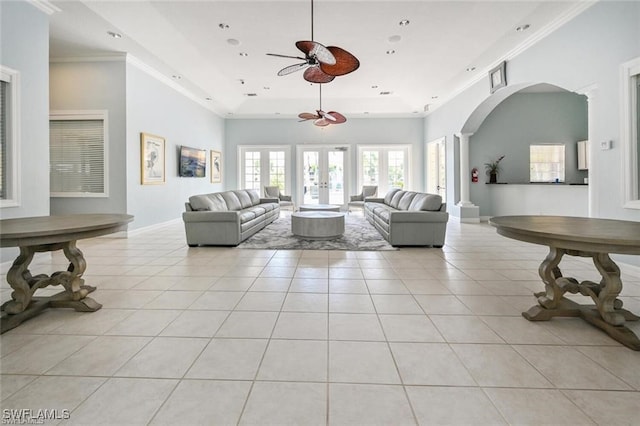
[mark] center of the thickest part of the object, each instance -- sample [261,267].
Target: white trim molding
[629,76]
[13,134]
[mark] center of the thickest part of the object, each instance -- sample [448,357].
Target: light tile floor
[214,335]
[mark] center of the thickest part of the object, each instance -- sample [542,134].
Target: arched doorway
[470,211]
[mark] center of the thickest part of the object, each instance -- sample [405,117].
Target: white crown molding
[132,60]
[45,6]
[522,47]
[119,57]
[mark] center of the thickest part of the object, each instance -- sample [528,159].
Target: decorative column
[467,211]
[464,171]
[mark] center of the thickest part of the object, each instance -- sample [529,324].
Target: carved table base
[24,305]
[607,313]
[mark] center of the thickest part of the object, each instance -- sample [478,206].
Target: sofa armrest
[269,200]
[356,198]
[207,216]
[422,216]
[374,200]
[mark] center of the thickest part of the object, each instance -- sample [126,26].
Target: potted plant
[493,168]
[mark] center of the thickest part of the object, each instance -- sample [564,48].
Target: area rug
[358,235]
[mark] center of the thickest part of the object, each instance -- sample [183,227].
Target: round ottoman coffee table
[319,208]
[316,225]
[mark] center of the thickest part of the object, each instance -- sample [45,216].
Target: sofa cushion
[208,202]
[406,200]
[254,196]
[245,199]
[389,196]
[395,201]
[247,215]
[200,203]
[232,200]
[427,202]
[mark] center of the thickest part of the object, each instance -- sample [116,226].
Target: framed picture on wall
[152,159]
[498,77]
[216,167]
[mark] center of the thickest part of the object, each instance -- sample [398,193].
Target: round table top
[317,214]
[319,207]
[576,233]
[37,230]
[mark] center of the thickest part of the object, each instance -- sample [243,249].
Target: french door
[321,172]
[437,168]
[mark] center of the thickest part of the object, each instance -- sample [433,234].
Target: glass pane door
[310,177]
[436,168]
[323,175]
[336,177]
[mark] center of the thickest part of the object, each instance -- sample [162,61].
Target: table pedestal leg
[24,305]
[607,313]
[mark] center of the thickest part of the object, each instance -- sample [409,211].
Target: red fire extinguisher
[474,175]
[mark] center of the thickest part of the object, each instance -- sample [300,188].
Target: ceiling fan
[321,63]
[322,118]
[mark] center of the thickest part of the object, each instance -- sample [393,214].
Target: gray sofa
[227,218]
[408,218]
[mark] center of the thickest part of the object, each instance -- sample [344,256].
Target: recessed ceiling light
[208,99]
[471,69]
[233,41]
[403,23]
[241,81]
[267,88]
[114,34]
[391,52]
[251,95]
[386,92]
[394,38]
[434,97]
[375,86]
[524,27]
[244,54]
[223,26]
[176,77]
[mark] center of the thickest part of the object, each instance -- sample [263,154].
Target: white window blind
[546,163]
[3,139]
[77,156]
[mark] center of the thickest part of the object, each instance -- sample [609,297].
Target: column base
[469,213]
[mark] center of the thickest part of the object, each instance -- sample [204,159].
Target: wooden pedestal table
[585,237]
[51,233]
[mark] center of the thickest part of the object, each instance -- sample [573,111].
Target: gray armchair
[358,200]
[274,192]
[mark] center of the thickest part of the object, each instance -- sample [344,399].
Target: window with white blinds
[3,139]
[77,155]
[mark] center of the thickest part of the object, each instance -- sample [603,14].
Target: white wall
[24,46]
[519,121]
[584,53]
[356,131]
[154,107]
[95,86]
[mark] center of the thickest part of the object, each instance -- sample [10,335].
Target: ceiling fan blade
[315,75]
[292,68]
[308,116]
[328,116]
[286,56]
[313,49]
[339,118]
[345,62]
[321,122]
